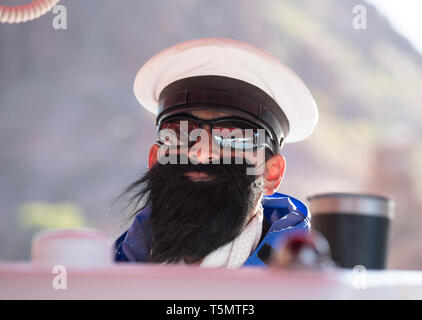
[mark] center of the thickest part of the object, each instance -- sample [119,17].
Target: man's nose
[205,150]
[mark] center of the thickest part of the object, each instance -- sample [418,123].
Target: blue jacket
[282,216]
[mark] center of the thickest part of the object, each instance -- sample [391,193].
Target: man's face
[199,206]
[209,136]
[206,151]
[201,155]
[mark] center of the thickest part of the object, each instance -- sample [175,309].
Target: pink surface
[145,281]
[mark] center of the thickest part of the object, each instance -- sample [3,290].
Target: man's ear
[274,172]
[153,154]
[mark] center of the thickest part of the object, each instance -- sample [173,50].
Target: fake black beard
[190,219]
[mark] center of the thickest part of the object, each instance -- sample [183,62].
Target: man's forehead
[209,114]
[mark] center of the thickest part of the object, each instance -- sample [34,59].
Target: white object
[23,280]
[234,59]
[235,253]
[75,247]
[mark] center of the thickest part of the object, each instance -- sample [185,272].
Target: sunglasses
[178,131]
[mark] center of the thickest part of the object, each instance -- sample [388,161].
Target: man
[224,109]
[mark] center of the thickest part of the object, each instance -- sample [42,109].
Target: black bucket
[355,225]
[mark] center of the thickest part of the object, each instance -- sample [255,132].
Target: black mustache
[225,164]
[180,159]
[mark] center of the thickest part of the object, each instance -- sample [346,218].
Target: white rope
[27,12]
[235,253]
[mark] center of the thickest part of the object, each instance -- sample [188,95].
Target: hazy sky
[405,16]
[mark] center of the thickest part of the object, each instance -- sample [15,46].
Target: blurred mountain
[72,131]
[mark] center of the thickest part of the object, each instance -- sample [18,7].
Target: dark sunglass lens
[175,132]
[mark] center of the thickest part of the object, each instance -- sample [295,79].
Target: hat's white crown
[235,59]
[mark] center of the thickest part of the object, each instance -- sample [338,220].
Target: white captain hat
[231,75]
